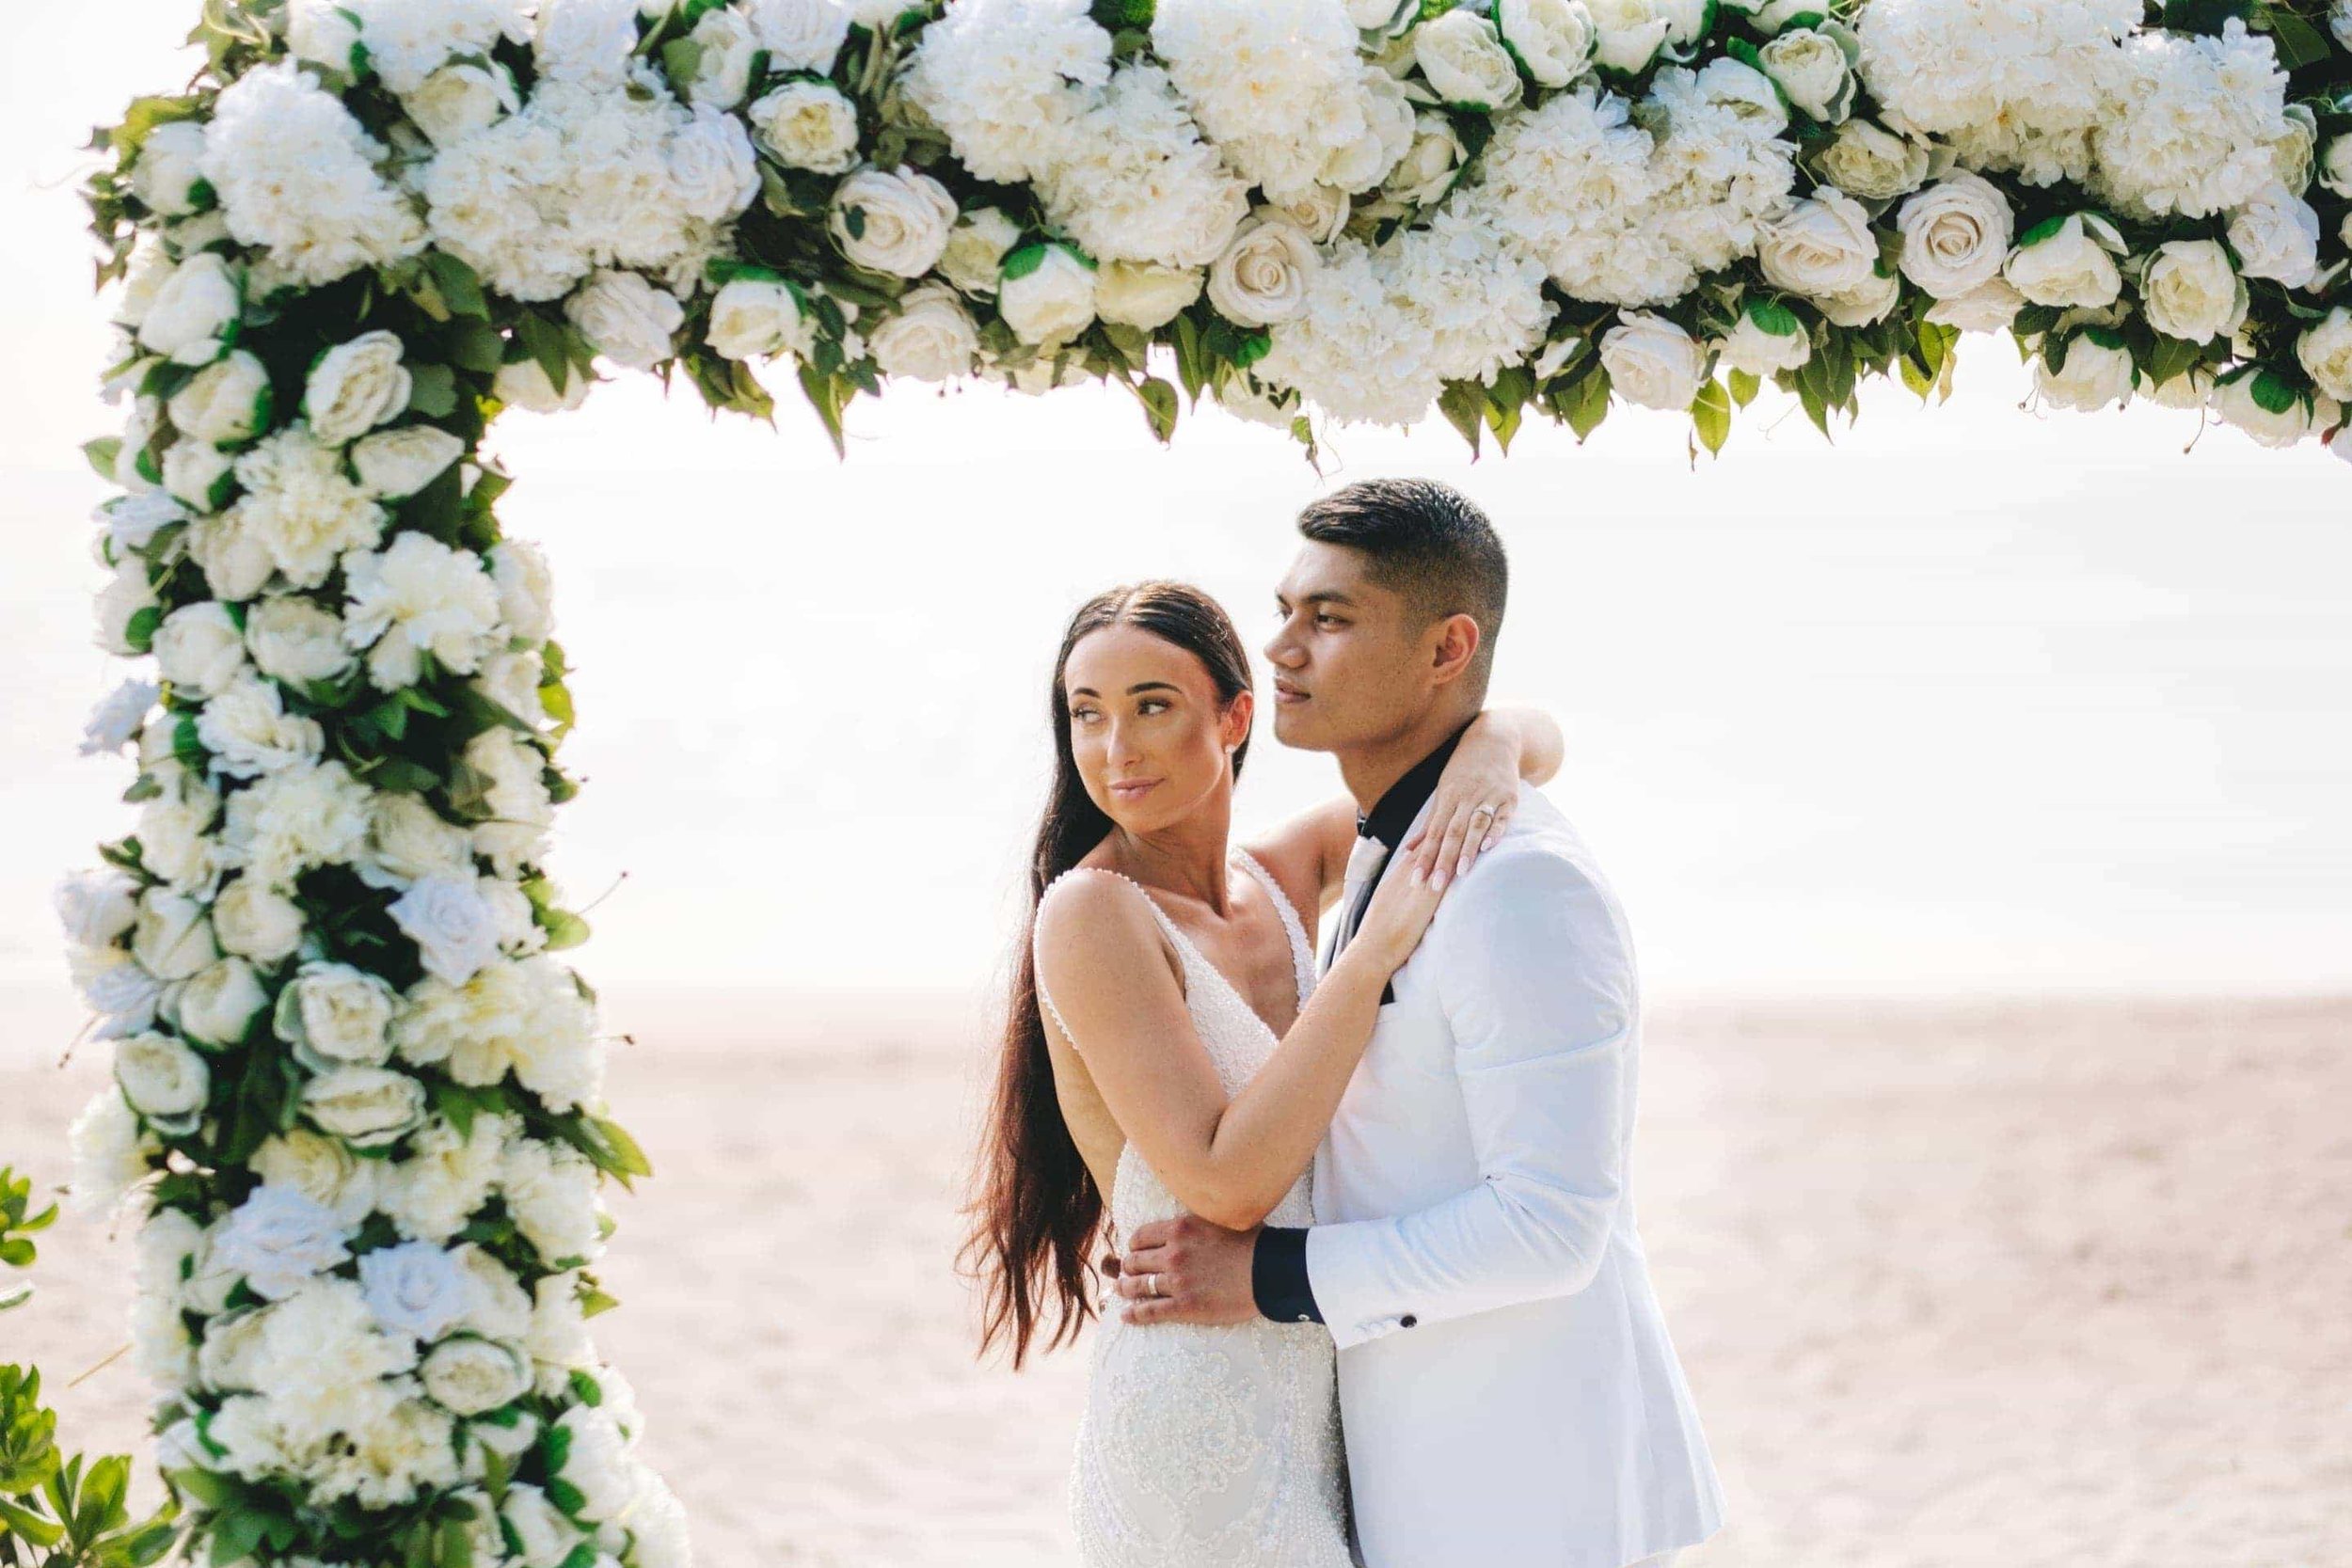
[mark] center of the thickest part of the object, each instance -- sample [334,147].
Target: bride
[1163,1051]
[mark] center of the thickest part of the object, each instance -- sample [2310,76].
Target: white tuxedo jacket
[1509,1394]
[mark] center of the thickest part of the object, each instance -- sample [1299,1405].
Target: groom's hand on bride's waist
[1186,1270]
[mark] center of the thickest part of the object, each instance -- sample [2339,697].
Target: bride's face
[1149,737]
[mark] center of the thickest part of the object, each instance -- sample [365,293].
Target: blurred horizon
[1969,702]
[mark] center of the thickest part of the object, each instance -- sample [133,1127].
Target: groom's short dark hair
[1426,541]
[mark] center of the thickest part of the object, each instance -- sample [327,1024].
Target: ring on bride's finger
[1155,1285]
[1484,811]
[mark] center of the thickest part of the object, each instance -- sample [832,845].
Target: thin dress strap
[1175,934]
[1302,951]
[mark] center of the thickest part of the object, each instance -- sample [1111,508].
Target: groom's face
[1351,662]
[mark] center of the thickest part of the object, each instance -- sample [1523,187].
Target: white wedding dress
[1211,1447]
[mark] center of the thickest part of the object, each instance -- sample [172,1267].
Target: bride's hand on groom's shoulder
[1475,798]
[1186,1270]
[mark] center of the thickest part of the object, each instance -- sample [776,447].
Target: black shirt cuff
[1277,1278]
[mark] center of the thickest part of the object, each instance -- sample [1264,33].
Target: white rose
[199,648]
[512,680]
[220,1004]
[2276,236]
[394,464]
[256,923]
[198,474]
[1378,15]
[1320,211]
[1388,134]
[800,35]
[228,402]
[279,1240]
[1822,248]
[1990,307]
[2335,168]
[356,387]
[173,841]
[1465,62]
[1053,301]
[1815,70]
[118,719]
[1427,169]
[461,101]
[550,1191]
[1871,162]
[545,1535]
[809,125]
[97,908]
[756,317]
[932,338]
[890,222]
[297,639]
[137,465]
[724,46]
[598,1465]
[1144,294]
[236,560]
[194,311]
[1628,34]
[2325,352]
[1552,38]
[1766,341]
[173,938]
[322,1169]
[125,597]
[455,930]
[523,384]
[323,33]
[526,590]
[627,318]
[249,733]
[2191,291]
[409,839]
[2073,267]
[163,1080]
[974,259]
[2269,410]
[335,1016]
[416,1289]
[2292,150]
[366,1107]
[169,174]
[1652,361]
[1955,233]
[471,1377]
[1262,275]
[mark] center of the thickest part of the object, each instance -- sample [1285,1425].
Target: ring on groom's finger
[1153,1285]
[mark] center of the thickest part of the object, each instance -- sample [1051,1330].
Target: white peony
[2191,291]
[1276,84]
[297,639]
[198,474]
[219,1004]
[126,598]
[2191,125]
[313,815]
[249,733]
[418,597]
[394,464]
[1867,160]
[585,42]
[930,338]
[528,1018]
[1464,60]
[1653,361]
[335,1016]
[544,1535]
[1956,234]
[2276,236]
[367,1107]
[296,176]
[1628,34]
[446,1178]
[525,589]
[892,222]
[408,1449]
[809,125]
[1138,182]
[174,845]
[1006,79]
[168,173]
[301,508]
[1053,300]
[256,923]
[726,46]
[229,402]
[598,1465]
[512,680]
[1815,70]
[800,35]
[551,1193]
[1428,168]
[195,312]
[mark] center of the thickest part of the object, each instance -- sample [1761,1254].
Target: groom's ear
[1454,651]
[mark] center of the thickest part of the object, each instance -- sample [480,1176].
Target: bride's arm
[1501,746]
[1101,958]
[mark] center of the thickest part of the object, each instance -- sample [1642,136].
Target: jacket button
[1408,1320]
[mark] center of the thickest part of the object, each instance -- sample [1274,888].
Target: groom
[1509,1395]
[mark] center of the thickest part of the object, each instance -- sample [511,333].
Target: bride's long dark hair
[1036,1207]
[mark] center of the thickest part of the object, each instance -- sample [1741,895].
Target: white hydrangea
[311,815]
[1008,79]
[2192,125]
[409,1447]
[551,1193]
[1275,84]
[410,40]
[415,597]
[1138,183]
[301,507]
[322,1362]
[525,1017]
[447,1177]
[2013,84]
[297,175]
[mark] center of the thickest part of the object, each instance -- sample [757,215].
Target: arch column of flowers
[357,1092]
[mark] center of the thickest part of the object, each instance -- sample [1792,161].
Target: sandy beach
[2021,1284]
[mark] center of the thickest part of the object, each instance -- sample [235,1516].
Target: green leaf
[1710,411]
[1025,261]
[102,454]
[433,391]
[32,1526]
[1588,403]
[475,346]
[1464,405]
[1744,386]
[2297,42]
[544,342]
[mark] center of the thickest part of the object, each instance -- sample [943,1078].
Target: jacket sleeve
[1537,980]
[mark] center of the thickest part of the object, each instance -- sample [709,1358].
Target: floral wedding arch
[356,1096]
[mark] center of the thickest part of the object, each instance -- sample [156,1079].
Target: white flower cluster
[2193,125]
[1619,214]
[1008,80]
[1138,182]
[297,176]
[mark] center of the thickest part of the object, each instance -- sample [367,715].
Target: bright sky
[1974,700]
